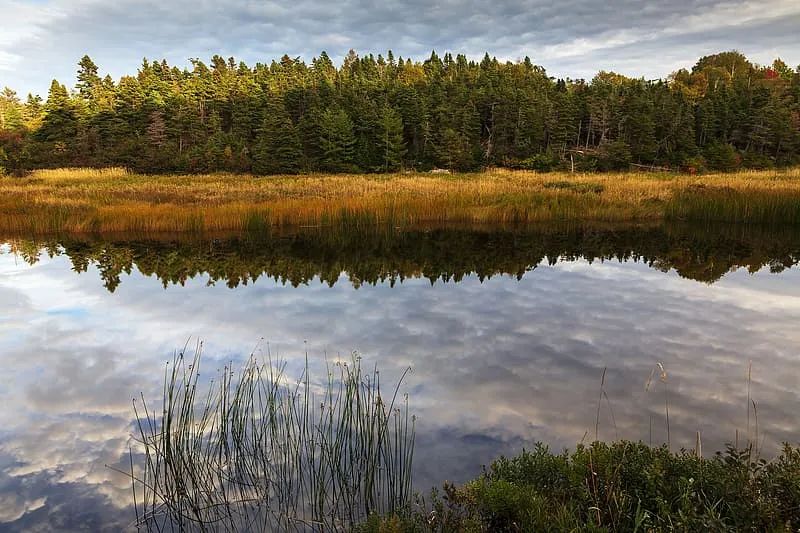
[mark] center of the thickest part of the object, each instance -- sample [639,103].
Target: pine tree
[392,145]
[11,110]
[278,148]
[380,114]
[88,79]
[337,141]
[59,127]
[157,129]
[32,112]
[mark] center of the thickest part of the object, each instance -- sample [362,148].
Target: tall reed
[259,452]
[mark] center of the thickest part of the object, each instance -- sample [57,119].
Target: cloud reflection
[497,364]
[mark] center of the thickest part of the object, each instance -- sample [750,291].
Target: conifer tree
[278,148]
[381,113]
[11,110]
[59,128]
[88,79]
[337,141]
[391,143]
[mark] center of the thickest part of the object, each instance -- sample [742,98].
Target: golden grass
[113,200]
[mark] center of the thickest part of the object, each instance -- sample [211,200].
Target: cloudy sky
[42,39]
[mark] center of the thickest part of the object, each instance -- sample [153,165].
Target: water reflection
[367,255]
[499,361]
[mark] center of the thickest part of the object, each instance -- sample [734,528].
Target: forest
[386,114]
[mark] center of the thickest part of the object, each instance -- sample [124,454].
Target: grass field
[114,200]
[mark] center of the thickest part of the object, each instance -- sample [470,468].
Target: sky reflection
[497,364]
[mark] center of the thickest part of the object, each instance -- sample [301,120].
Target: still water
[508,334]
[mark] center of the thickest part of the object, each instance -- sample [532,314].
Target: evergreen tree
[337,141]
[278,147]
[391,143]
[11,110]
[59,128]
[88,79]
[382,113]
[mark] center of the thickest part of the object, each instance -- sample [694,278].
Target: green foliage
[374,115]
[722,156]
[391,140]
[12,111]
[278,148]
[758,161]
[615,155]
[622,486]
[544,162]
[88,80]
[694,165]
[337,141]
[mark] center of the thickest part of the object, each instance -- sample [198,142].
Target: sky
[43,39]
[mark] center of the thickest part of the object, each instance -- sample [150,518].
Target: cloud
[573,38]
[13,507]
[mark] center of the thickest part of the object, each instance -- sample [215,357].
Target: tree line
[383,114]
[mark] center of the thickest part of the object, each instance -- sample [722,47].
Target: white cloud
[13,507]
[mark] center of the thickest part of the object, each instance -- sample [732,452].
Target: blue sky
[42,39]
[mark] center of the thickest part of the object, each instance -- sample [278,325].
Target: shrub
[757,161]
[722,157]
[694,165]
[614,155]
[623,486]
[544,162]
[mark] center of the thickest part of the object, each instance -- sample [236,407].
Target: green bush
[615,155]
[545,162]
[622,486]
[757,161]
[694,165]
[723,157]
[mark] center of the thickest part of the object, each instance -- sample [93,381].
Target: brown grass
[114,200]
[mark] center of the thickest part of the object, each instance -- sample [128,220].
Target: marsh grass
[56,174]
[260,452]
[595,188]
[726,204]
[113,200]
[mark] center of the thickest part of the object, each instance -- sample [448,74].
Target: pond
[513,335]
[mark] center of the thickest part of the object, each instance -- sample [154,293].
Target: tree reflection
[379,255]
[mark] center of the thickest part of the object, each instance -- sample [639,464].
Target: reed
[260,452]
[711,204]
[114,200]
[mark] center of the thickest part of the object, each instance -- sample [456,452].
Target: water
[507,332]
